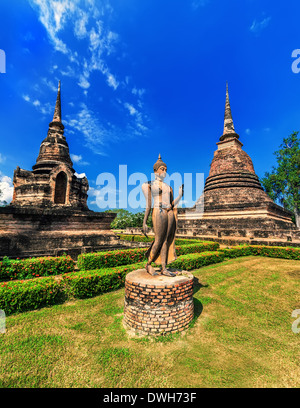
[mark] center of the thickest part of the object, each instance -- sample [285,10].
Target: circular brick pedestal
[158,304]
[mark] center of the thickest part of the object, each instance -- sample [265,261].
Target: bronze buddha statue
[164,218]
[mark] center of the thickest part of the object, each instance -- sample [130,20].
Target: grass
[240,337]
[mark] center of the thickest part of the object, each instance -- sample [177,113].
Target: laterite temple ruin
[236,208]
[49,214]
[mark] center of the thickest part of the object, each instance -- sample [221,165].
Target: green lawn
[241,337]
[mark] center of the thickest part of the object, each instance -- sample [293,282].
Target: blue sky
[142,77]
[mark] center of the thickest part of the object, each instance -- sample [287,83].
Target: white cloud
[258,26]
[2,158]
[6,188]
[139,92]
[87,21]
[131,108]
[50,84]
[80,30]
[45,109]
[51,15]
[97,134]
[80,176]
[112,81]
[83,82]
[77,159]
[56,14]
[94,132]
[68,71]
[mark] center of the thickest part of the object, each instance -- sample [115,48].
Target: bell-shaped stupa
[234,206]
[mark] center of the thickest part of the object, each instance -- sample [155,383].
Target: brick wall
[156,308]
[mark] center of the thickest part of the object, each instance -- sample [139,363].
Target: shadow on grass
[198,309]
[198,306]
[198,285]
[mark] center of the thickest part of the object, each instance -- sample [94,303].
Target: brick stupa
[52,181]
[234,207]
[49,214]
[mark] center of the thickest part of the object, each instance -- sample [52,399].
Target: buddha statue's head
[160,168]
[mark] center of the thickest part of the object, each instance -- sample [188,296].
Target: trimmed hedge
[261,250]
[142,238]
[107,259]
[276,252]
[98,260]
[93,282]
[24,295]
[86,284]
[11,269]
[197,247]
[20,296]
[136,238]
[195,261]
[237,251]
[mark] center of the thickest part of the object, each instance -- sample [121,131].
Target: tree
[283,183]
[126,219]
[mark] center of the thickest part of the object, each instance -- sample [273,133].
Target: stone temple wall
[35,232]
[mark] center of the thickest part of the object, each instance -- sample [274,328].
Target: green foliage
[236,251]
[108,259]
[23,295]
[262,250]
[85,284]
[283,183]
[142,238]
[136,238]
[126,219]
[20,296]
[34,267]
[196,248]
[195,261]
[276,252]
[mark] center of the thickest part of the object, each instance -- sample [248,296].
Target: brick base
[158,304]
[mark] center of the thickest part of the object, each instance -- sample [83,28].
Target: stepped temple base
[28,231]
[231,229]
[156,305]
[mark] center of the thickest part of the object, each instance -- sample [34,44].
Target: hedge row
[261,250]
[24,295]
[197,260]
[108,259]
[142,238]
[34,267]
[136,238]
[86,284]
[20,296]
